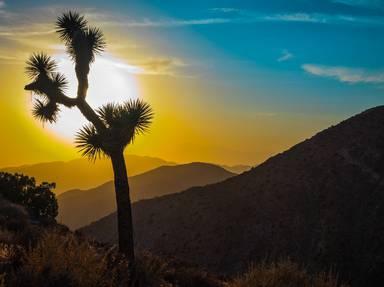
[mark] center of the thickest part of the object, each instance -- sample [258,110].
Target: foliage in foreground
[283,274]
[63,259]
[37,255]
[38,200]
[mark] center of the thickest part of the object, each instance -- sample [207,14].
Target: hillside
[240,168]
[81,207]
[82,173]
[320,203]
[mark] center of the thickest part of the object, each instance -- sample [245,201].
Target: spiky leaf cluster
[123,123]
[45,111]
[90,142]
[47,84]
[69,24]
[127,120]
[40,64]
[82,41]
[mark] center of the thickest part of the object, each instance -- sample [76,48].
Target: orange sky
[188,126]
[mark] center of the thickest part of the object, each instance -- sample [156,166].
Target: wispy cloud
[285,56]
[325,19]
[345,74]
[160,66]
[246,18]
[167,22]
[362,3]
[151,66]
[225,10]
[298,17]
[2,4]
[9,32]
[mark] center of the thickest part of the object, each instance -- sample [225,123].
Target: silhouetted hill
[81,207]
[240,168]
[82,173]
[320,203]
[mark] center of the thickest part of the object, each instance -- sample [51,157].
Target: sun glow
[110,80]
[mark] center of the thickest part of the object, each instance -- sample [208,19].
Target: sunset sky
[231,82]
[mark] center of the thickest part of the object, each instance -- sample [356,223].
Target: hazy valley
[81,207]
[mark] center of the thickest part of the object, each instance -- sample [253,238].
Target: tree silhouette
[39,200]
[110,129]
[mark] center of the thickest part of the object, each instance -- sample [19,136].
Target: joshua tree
[110,129]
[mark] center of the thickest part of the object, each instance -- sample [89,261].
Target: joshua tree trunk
[123,202]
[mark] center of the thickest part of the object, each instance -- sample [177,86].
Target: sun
[110,80]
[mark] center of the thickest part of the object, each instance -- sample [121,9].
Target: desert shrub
[283,274]
[6,236]
[39,200]
[150,271]
[61,260]
[12,217]
[15,225]
[10,257]
[191,277]
[155,271]
[117,266]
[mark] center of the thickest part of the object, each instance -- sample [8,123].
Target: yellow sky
[195,119]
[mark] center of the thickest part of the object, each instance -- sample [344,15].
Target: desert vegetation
[111,128]
[38,200]
[42,253]
[60,258]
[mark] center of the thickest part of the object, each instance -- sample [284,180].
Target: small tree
[38,200]
[111,128]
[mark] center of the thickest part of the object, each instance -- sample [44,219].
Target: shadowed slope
[240,168]
[321,203]
[81,173]
[80,207]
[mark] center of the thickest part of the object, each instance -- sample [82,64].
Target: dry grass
[63,259]
[59,260]
[283,274]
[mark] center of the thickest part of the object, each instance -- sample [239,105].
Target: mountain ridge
[81,173]
[321,202]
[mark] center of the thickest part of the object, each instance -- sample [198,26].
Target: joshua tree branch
[60,98]
[80,103]
[90,114]
[84,108]
[66,101]
[82,71]
[82,78]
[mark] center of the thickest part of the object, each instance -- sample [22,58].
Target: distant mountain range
[84,174]
[320,203]
[81,207]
